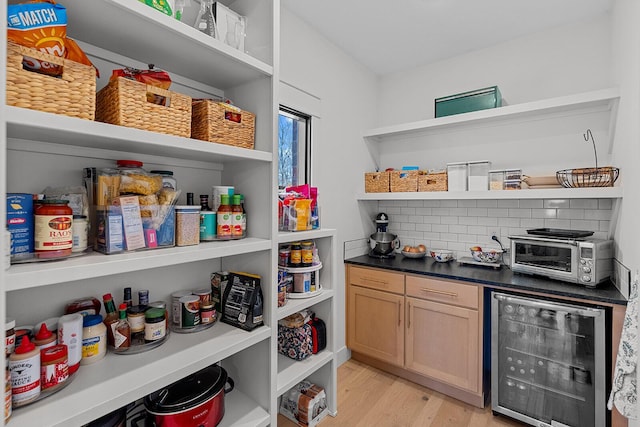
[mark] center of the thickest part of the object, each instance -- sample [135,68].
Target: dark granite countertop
[503,277]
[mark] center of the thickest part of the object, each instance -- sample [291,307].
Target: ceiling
[389,36]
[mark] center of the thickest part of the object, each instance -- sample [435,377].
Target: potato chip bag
[40,25]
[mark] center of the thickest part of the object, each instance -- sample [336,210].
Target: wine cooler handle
[582,311]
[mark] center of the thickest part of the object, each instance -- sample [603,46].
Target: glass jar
[135,180]
[154,324]
[53,235]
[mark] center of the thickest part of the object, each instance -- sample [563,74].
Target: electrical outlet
[493,232]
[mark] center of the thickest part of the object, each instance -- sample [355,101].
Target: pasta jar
[154,324]
[94,339]
[187,225]
[53,235]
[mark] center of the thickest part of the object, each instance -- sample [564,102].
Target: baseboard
[343,355]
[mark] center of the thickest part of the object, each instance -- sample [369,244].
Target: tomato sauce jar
[53,236]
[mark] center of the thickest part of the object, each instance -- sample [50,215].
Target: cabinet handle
[408,316]
[434,291]
[399,313]
[369,279]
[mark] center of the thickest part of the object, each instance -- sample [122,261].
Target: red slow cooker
[194,401]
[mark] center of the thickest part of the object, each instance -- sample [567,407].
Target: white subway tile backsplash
[478,212]
[487,203]
[459,224]
[449,220]
[583,203]
[544,213]
[570,213]
[531,203]
[508,203]
[520,213]
[467,203]
[557,203]
[597,214]
[448,203]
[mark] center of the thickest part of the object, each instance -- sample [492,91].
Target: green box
[474,100]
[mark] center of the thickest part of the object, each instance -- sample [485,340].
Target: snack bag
[74,53]
[40,25]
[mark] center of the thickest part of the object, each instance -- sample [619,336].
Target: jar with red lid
[53,235]
[54,367]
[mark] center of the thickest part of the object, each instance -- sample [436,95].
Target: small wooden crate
[223,123]
[432,181]
[73,94]
[376,182]
[404,181]
[124,102]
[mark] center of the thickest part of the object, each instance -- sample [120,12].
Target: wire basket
[588,177]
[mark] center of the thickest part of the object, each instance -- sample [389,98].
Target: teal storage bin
[475,100]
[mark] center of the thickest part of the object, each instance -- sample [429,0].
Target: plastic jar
[80,233]
[94,339]
[168,181]
[10,336]
[85,306]
[154,324]
[53,235]
[54,367]
[306,249]
[135,180]
[187,225]
[295,257]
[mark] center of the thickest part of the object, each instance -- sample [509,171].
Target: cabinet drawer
[377,279]
[445,291]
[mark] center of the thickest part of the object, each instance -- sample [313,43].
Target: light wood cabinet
[423,329]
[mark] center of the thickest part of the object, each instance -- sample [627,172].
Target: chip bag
[40,25]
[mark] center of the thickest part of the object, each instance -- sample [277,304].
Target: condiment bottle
[24,365]
[55,367]
[111,318]
[190,199]
[204,202]
[295,257]
[306,249]
[94,339]
[224,219]
[244,216]
[45,338]
[143,297]
[122,333]
[53,234]
[84,306]
[10,337]
[236,217]
[135,317]
[127,297]
[70,334]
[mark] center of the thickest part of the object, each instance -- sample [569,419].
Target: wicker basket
[376,182]
[73,94]
[222,123]
[432,181]
[124,102]
[404,181]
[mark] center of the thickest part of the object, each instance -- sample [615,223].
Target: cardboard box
[110,233]
[305,404]
[20,223]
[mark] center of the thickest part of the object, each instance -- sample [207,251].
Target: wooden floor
[370,397]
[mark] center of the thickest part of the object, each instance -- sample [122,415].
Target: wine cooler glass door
[548,363]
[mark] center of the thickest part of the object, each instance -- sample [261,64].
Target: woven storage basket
[73,94]
[376,182]
[222,123]
[124,102]
[432,181]
[404,181]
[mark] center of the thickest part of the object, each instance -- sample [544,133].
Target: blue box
[480,99]
[20,223]
[110,230]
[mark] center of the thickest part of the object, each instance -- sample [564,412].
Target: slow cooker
[194,401]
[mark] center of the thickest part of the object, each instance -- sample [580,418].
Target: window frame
[307,118]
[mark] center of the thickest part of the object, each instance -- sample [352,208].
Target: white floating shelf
[23,276]
[296,236]
[604,100]
[295,305]
[550,193]
[291,372]
[118,380]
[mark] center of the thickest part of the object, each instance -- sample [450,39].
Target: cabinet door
[375,323]
[442,342]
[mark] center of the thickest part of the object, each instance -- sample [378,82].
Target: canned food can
[204,294]
[176,306]
[208,225]
[190,311]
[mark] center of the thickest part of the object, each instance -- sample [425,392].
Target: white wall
[347,93]
[562,61]
[626,68]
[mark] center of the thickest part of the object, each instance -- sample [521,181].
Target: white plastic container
[457,176]
[479,175]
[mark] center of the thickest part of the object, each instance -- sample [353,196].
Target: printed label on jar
[25,380]
[154,331]
[90,347]
[54,374]
[53,232]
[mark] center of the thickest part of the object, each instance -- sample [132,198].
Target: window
[294,148]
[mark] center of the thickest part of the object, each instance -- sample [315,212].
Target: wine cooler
[548,365]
